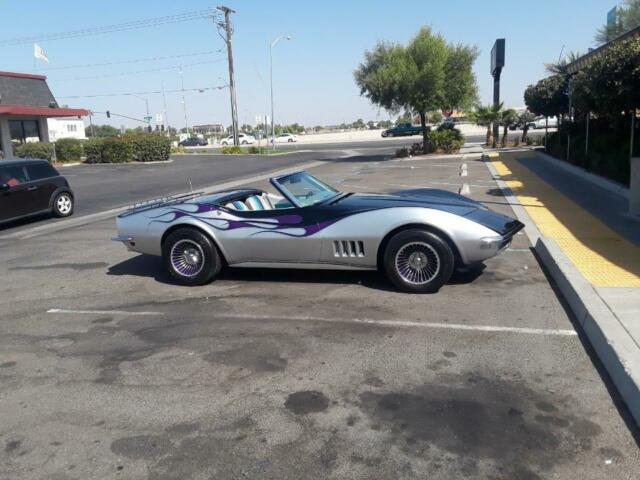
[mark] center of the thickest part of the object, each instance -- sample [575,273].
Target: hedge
[130,148]
[68,150]
[42,150]
[149,147]
[93,150]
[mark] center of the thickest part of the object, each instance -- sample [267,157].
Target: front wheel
[63,205]
[191,257]
[418,261]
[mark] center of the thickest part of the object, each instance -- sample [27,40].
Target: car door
[40,186]
[14,198]
[283,235]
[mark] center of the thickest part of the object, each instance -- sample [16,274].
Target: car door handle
[31,189]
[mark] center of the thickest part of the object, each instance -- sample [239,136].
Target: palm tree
[486,116]
[525,119]
[560,67]
[507,118]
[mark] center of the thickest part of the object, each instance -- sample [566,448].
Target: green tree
[610,84]
[508,118]
[358,124]
[525,119]
[628,18]
[548,97]
[560,68]
[404,118]
[460,87]
[414,78]
[486,116]
[102,131]
[435,117]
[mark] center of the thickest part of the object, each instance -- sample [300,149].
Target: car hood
[434,199]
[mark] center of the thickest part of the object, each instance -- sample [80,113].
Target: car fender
[192,222]
[372,227]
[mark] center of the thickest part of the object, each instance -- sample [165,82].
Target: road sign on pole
[159,118]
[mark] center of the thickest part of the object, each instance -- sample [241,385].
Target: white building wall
[66,128]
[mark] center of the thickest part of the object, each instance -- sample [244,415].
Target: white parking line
[366,321]
[102,312]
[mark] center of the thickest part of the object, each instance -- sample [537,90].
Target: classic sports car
[417,237]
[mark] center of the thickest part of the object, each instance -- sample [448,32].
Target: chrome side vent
[348,248]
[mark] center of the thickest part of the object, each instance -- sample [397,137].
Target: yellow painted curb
[603,257]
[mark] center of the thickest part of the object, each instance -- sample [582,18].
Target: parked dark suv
[28,187]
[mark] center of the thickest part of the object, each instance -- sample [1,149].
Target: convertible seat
[258,202]
[237,205]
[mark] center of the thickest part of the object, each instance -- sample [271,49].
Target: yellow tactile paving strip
[602,256]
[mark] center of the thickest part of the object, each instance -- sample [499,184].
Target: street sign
[158,118]
[147,119]
[497,56]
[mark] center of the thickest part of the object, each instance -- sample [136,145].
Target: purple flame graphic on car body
[287,225]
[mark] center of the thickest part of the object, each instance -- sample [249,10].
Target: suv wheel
[63,205]
[191,257]
[417,261]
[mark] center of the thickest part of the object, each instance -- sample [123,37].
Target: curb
[531,230]
[610,340]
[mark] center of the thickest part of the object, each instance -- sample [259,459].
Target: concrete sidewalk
[591,248]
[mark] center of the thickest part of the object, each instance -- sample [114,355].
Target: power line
[136,72]
[120,27]
[118,94]
[136,60]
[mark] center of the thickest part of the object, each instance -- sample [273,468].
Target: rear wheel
[191,257]
[63,205]
[417,261]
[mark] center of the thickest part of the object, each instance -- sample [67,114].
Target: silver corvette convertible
[416,237]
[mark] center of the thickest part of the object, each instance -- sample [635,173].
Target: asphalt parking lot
[108,370]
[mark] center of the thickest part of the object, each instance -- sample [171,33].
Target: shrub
[68,150]
[148,147]
[116,150]
[229,149]
[402,152]
[42,150]
[449,140]
[178,150]
[257,150]
[93,150]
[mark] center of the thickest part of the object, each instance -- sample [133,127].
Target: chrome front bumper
[128,242]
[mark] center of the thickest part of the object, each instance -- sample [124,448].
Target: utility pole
[184,103]
[232,85]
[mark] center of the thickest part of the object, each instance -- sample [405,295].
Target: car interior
[264,201]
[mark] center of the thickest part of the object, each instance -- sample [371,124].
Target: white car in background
[285,138]
[541,123]
[243,139]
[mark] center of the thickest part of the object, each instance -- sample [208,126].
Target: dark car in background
[402,130]
[193,142]
[30,187]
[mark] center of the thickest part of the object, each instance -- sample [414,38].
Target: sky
[312,72]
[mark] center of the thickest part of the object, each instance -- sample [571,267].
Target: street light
[146,102]
[273,44]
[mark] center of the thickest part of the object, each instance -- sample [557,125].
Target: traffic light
[108,114]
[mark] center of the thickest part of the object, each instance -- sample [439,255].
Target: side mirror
[4,187]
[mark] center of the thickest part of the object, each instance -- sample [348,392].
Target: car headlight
[490,243]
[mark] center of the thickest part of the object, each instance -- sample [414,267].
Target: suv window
[40,171]
[13,175]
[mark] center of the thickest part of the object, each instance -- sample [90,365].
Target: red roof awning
[26,110]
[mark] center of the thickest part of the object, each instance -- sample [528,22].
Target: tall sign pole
[497,64]
[232,84]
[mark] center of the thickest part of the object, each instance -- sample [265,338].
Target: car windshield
[306,189]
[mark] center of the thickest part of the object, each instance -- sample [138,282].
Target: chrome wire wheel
[187,258]
[64,204]
[417,263]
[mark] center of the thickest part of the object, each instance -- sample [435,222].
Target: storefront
[25,105]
